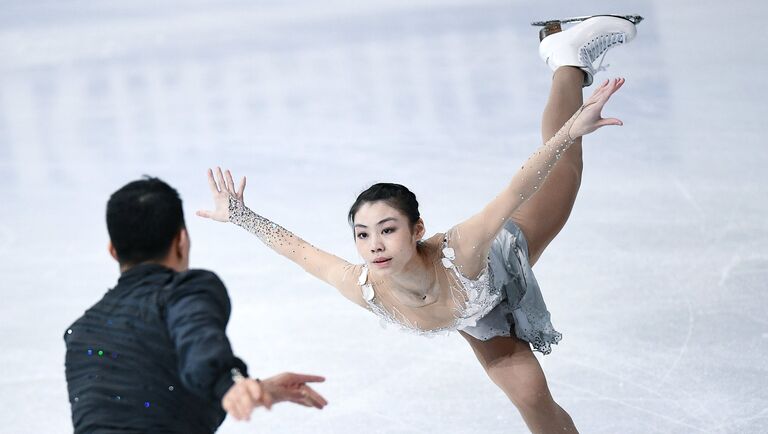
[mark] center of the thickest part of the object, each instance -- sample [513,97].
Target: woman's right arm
[229,207]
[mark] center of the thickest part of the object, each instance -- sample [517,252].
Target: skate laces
[598,47]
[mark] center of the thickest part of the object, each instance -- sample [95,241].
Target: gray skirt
[522,310]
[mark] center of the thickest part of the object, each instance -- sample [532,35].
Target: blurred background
[658,282]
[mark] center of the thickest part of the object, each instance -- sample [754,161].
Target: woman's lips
[381,261]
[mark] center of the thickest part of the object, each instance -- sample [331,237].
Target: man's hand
[293,387]
[245,395]
[248,393]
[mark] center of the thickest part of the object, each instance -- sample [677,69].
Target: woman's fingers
[615,85]
[220,179]
[620,83]
[203,213]
[212,183]
[241,190]
[612,88]
[608,87]
[609,121]
[230,182]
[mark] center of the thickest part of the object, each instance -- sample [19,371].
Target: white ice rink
[659,282]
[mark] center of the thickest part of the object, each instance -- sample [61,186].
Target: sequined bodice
[471,299]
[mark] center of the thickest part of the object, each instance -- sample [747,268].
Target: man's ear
[182,243]
[112,251]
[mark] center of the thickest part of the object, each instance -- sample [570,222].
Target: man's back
[151,355]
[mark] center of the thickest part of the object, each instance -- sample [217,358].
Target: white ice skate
[582,44]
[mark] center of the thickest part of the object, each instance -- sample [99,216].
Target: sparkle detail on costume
[393,315]
[539,165]
[472,298]
[268,232]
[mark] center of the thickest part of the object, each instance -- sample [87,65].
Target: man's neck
[167,263]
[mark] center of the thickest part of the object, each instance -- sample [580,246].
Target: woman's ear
[418,230]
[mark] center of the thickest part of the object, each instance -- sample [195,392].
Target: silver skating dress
[504,299]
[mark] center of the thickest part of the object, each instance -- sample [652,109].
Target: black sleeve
[196,313]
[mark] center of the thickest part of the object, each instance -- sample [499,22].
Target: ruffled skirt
[522,310]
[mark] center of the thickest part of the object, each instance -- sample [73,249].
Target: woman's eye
[388,230]
[362,235]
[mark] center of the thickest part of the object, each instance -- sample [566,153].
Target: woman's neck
[416,285]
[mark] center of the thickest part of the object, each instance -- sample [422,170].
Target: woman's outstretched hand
[591,118]
[222,187]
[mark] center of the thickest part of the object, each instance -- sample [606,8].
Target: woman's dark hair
[395,195]
[143,218]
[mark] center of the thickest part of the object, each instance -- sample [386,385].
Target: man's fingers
[267,399]
[306,396]
[226,404]
[246,405]
[232,408]
[315,398]
[295,395]
[212,183]
[305,378]
[256,391]
[238,409]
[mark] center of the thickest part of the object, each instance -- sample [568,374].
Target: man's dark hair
[143,218]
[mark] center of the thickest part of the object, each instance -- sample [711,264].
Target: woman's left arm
[480,229]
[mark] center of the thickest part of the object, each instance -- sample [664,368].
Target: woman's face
[384,237]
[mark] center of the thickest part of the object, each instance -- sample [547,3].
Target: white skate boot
[582,44]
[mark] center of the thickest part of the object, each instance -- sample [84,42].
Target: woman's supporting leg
[510,363]
[543,216]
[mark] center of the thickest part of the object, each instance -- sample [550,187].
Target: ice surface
[659,282]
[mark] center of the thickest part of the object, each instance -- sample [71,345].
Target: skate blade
[634,19]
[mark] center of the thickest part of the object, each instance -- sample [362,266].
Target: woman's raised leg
[510,363]
[543,216]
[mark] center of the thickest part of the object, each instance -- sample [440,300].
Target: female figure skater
[476,277]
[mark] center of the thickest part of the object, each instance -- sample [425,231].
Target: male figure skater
[152,355]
